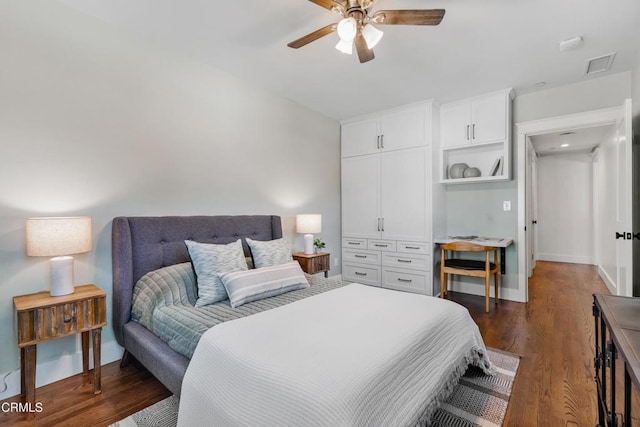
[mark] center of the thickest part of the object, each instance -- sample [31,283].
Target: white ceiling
[578,139]
[480,46]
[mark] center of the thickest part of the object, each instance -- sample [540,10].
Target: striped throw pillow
[252,285]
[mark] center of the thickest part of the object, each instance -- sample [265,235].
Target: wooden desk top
[622,315]
[484,241]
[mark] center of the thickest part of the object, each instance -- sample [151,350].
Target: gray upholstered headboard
[143,244]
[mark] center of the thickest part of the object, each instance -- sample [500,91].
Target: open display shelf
[489,158]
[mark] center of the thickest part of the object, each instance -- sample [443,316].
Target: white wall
[565,228]
[587,95]
[94,121]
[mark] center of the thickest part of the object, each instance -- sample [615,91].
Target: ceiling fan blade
[364,53]
[304,40]
[408,17]
[333,5]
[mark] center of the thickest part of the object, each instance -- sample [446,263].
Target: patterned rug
[477,400]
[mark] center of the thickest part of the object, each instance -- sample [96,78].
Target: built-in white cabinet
[477,132]
[385,195]
[387,198]
[404,266]
[392,131]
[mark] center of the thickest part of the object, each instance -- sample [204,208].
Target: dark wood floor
[553,333]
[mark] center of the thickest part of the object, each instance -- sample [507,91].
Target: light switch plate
[506,205]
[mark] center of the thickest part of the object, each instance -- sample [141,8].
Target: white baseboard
[65,366]
[572,259]
[607,281]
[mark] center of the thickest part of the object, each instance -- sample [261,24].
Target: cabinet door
[456,124]
[404,194]
[404,129]
[361,196]
[489,119]
[359,138]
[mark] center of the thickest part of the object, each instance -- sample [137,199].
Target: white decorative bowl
[456,170]
[471,173]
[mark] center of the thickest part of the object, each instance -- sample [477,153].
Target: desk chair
[467,267]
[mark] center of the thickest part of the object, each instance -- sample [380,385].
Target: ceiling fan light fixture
[347,28]
[345,46]
[371,35]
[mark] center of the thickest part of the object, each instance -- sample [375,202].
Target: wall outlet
[506,205]
[335,261]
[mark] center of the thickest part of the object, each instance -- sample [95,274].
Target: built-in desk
[617,337]
[497,242]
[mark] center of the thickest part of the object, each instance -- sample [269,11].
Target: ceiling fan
[357,24]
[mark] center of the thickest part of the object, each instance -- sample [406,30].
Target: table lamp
[308,224]
[59,237]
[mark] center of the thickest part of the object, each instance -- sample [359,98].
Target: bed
[144,244]
[331,354]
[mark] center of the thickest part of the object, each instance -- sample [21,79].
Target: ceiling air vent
[599,64]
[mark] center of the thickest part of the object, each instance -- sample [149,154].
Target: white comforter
[353,356]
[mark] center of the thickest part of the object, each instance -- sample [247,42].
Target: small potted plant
[318,245]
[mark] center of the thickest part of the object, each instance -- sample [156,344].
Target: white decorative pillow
[209,262]
[271,252]
[252,285]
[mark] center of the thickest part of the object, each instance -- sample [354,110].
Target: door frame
[606,116]
[532,207]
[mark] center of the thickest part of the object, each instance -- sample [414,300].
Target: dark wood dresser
[617,345]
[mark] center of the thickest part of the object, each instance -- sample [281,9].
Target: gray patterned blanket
[163,302]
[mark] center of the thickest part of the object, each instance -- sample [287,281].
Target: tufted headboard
[143,244]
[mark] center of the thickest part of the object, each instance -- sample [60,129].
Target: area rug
[477,400]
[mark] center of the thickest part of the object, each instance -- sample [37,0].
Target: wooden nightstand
[42,317]
[314,263]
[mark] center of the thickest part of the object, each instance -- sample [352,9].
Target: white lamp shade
[371,35]
[56,236]
[347,28]
[345,46]
[309,223]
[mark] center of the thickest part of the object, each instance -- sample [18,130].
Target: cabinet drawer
[401,260]
[361,256]
[354,243]
[365,274]
[42,324]
[413,247]
[382,245]
[403,280]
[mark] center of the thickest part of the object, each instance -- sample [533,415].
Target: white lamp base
[62,282]
[308,244]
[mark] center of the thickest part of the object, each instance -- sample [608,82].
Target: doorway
[615,214]
[568,172]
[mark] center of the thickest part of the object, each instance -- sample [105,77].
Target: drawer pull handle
[354,243]
[404,260]
[412,247]
[360,256]
[405,280]
[380,246]
[360,274]
[66,319]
